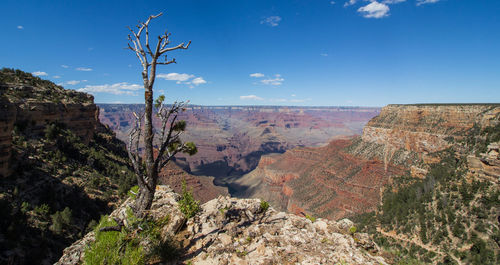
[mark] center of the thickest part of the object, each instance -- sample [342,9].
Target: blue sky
[296,52]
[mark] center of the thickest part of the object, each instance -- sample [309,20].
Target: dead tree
[169,142]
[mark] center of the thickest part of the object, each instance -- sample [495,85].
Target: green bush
[25,207]
[60,220]
[132,193]
[113,247]
[42,210]
[125,247]
[312,218]
[264,206]
[187,204]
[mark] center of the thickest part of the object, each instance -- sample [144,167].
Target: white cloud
[251,97]
[272,21]
[423,2]
[64,66]
[116,89]
[39,73]
[393,1]
[84,69]
[187,79]
[257,75]
[293,95]
[332,2]
[324,54]
[350,3]
[175,77]
[374,10]
[56,76]
[276,81]
[198,81]
[73,82]
[20,27]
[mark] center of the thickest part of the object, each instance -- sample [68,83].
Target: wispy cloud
[374,10]
[122,88]
[423,2]
[350,3]
[257,75]
[276,81]
[39,73]
[188,79]
[324,54]
[64,66]
[393,1]
[74,82]
[332,2]
[56,76]
[272,21]
[84,69]
[20,27]
[198,81]
[251,97]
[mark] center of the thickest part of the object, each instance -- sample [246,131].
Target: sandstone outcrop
[240,231]
[427,128]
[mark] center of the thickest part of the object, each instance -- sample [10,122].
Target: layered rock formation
[327,181]
[347,176]
[241,231]
[202,187]
[427,128]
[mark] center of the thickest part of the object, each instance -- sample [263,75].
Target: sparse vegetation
[264,205]
[127,246]
[187,204]
[429,208]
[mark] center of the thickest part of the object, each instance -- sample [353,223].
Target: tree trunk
[143,201]
[147,189]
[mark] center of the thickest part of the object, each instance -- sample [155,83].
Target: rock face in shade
[238,231]
[30,104]
[7,118]
[348,175]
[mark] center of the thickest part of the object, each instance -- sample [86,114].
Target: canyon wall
[347,176]
[426,128]
[81,118]
[32,116]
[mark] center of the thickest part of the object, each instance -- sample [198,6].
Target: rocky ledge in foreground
[243,231]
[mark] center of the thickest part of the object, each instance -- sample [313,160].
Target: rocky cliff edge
[241,231]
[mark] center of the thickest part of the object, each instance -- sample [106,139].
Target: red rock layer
[326,181]
[202,187]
